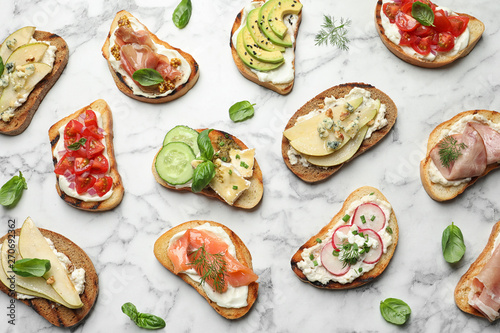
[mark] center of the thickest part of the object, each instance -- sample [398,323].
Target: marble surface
[120,242]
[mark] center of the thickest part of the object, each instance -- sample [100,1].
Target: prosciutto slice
[471,163]
[485,289]
[491,139]
[126,35]
[135,57]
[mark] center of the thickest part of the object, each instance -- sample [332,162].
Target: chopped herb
[354,232]
[335,253]
[311,256]
[318,240]
[230,172]
[373,218]
[221,143]
[360,269]
[389,230]
[243,164]
[372,193]
[315,263]
[235,187]
[346,217]
[237,156]
[224,159]
[363,219]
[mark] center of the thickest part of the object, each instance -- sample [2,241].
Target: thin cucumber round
[173,163]
[184,134]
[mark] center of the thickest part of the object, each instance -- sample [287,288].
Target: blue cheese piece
[242,161]
[228,183]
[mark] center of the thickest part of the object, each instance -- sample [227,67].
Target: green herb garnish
[319,241]
[230,172]
[143,320]
[221,144]
[29,267]
[77,145]
[235,187]
[389,230]
[363,219]
[450,150]
[223,159]
[372,218]
[333,34]
[422,13]
[241,111]
[202,175]
[243,164]
[452,243]
[315,263]
[211,267]
[147,77]
[237,156]
[346,217]
[1,66]
[311,256]
[12,191]
[182,13]
[395,311]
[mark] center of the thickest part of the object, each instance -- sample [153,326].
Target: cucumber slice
[184,134]
[173,163]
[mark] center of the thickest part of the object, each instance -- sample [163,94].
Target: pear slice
[10,95]
[312,144]
[305,127]
[15,40]
[341,155]
[33,245]
[27,54]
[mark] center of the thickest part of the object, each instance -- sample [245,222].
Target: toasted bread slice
[312,173]
[476,29]
[365,277]
[125,88]
[248,199]
[440,192]
[242,254]
[107,119]
[55,313]
[24,114]
[281,88]
[464,284]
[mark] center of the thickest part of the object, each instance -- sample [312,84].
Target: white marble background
[120,242]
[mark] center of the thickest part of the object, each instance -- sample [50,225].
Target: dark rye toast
[123,86]
[242,254]
[102,107]
[312,173]
[248,199]
[24,114]
[55,313]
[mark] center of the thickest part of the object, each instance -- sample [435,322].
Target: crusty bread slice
[242,254]
[283,88]
[476,29]
[439,192]
[55,313]
[248,199]
[366,277]
[464,284]
[124,88]
[107,119]
[312,173]
[24,114]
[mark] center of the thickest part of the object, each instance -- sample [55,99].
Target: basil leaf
[31,267]
[202,175]
[1,66]
[452,244]
[241,111]
[12,190]
[147,77]
[395,311]
[205,145]
[76,145]
[143,320]
[422,13]
[182,14]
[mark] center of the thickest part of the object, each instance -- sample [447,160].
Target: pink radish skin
[368,210]
[332,263]
[373,256]
[336,241]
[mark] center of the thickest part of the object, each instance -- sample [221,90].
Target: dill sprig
[333,34]
[212,266]
[450,150]
[350,254]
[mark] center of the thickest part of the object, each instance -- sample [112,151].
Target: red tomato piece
[423,31]
[93,131]
[72,129]
[406,8]
[82,184]
[82,164]
[422,45]
[65,163]
[458,24]
[94,147]
[405,22]
[103,185]
[446,42]
[90,118]
[441,21]
[390,10]
[100,164]
[407,38]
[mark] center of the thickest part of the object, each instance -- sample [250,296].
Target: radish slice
[374,254]
[369,216]
[337,241]
[332,263]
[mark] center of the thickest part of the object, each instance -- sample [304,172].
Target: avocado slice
[251,61]
[284,7]
[257,52]
[16,39]
[254,29]
[266,29]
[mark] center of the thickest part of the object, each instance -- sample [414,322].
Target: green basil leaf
[395,311]
[12,190]
[182,13]
[1,66]
[205,145]
[241,111]
[422,13]
[143,320]
[130,310]
[76,145]
[31,267]
[147,77]
[452,244]
[202,175]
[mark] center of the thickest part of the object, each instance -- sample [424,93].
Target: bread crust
[248,199]
[476,29]
[312,173]
[107,121]
[242,254]
[439,192]
[283,88]
[463,287]
[366,277]
[55,313]
[124,88]
[24,114]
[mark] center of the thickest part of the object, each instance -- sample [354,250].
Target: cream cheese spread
[184,67]
[312,255]
[234,297]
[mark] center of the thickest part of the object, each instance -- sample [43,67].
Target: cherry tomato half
[407,38]
[405,22]
[458,24]
[94,147]
[82,164]
[100,164]
[390,10]
[90,118]
[72,129]
[441,21]
[93,131]
[82,184]
[103,185]
[422,45]
[446,42]
[65,163]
